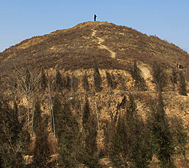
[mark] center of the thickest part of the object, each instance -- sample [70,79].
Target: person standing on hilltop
[95,17]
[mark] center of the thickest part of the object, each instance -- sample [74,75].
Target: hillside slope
[98,61]
[79,46]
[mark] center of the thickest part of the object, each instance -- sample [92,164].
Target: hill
[102,68]
[80,47]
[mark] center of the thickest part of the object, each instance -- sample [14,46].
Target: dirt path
[101,46]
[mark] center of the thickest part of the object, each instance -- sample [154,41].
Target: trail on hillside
[101,46]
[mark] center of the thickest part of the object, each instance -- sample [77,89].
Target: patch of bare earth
[147,75]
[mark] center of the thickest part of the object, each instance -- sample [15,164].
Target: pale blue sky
[22,19]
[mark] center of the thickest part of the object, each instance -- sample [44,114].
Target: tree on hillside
[67,132]
[130,108]
[68,83]
[11,143]
[28,78]
[118,147]
[37,117]
[125,147]
[57,109]
[174,77]
[25,84]
[182,84]
[159,76]
[141,148]
[51,105]
[86,113]
[139,80]
[44,81]
[42,148]
[161,136]
[68,142]
[90,157]
[58,80]
[74,83]
[111,82]
[97,79]
[180,136]
[139,152]
[85,82]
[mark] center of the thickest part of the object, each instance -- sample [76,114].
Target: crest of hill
[78,47]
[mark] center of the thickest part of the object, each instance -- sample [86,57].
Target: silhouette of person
[95,17]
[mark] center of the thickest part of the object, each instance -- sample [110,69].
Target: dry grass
[76,48]
[74,51]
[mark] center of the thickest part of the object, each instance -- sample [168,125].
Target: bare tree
[25,83]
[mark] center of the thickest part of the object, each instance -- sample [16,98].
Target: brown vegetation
[99,102]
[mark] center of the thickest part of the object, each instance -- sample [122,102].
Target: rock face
[95,61]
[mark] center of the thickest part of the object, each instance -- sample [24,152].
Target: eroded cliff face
[107,103]
[114,85]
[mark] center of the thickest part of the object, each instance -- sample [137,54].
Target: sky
[22,19]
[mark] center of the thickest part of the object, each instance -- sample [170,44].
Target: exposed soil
[101,46]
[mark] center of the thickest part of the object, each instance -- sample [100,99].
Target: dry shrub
[105,162]
[28,159]
[145,98]
[130,84]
